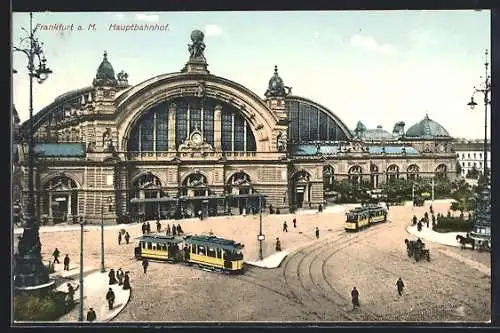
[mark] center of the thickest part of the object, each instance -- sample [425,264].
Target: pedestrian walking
[285,227]
[179,229]
[110,297]
[119,276]
[145,264]
[400,286]
[174,230]
[148,227]
[66,262]
[158,226]
[144,228]
[126,281]
[55,254]
[431,210]
[70,296]
[278,244]
[91,316]
[119,237]
[317,232]
[168,230]
[354,298]
[295,223]
[127,237]
[112,278]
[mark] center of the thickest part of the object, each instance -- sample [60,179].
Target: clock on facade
[196,138]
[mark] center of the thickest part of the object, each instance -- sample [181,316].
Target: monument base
[31,275]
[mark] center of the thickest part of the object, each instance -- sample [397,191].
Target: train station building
[192,141]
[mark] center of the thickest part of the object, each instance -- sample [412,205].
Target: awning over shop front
[163,199]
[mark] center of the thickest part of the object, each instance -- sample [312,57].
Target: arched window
[392,172]
[441,171]
[195,184]
[150,133]
[413,172]
[308,123]
[147,186]
[355,174]
[60,198]
[240,183]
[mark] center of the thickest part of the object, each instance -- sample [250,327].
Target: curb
[124,306]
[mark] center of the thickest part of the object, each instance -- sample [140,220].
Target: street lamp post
[482,221]
[30,271]
[102,240]
[261,235]
[80,311]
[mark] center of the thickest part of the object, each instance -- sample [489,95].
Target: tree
[459,168]
[472,173]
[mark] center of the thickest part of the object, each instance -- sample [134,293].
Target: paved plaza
[312,279]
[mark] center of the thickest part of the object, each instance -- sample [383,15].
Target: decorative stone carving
[200,89]
[197,48]
[281,142]
[107,140]
[122,79]
[195,142]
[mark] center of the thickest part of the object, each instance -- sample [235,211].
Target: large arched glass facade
[150,133]
[308,123]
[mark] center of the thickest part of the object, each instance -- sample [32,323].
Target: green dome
[105,70]
[427,128]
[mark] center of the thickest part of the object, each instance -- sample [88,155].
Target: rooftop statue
[197,48]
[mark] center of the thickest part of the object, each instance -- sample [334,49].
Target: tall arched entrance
[148,199]
[195,196]
[239,188]
[355,175]
[441,171]
[301,188]
[60,199]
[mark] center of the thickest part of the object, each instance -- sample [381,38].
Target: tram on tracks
[209,252]
[365,216]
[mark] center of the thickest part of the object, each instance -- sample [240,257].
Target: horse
[465,240]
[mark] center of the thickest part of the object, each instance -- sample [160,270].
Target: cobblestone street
[312,284]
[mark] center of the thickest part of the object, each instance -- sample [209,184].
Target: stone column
[172,109]
[218,128]
[50,205]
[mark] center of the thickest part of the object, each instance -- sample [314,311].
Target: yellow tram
[205,251]
[362,217]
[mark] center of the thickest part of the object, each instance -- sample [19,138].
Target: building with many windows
[470,155]
[190,141]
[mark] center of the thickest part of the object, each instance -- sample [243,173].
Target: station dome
[427,128]
[105,73]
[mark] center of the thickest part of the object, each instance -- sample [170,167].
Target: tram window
[193,248]
[219,253]
[226,254]
[352,218]
[164,247]
[202,251]
[143,245]
[150,246]
[211,252]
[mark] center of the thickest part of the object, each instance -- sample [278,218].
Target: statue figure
[281,141]
[197,48]
[122,78]
[107,140]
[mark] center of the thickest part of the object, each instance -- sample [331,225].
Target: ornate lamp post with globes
[482,220]
[30,272]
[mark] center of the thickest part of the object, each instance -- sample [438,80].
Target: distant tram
[203,251]
[362,217]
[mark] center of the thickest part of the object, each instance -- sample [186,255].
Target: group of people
[424,219]
[66,260]
[355,293]
[126,237]
[174,230]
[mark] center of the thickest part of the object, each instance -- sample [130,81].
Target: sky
[378,67]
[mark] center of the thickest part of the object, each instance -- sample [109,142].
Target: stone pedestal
[196,66]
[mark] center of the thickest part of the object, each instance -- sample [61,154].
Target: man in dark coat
[414,220]
[119,276]
[126,281]
[127,237]
[179,229]
[148,227]
[91,316]
[145,264]
[285,227]
[56,255]
[295,223]
[112,278]
[400,286]
[119,238]
[110,297]
[278,244]
[317,232]
[158,226]
[355,298]
[66,262]
[144,228]
[168,230]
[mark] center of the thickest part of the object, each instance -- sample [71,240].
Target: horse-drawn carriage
[417,250]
